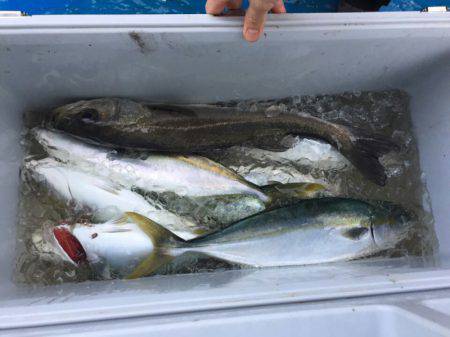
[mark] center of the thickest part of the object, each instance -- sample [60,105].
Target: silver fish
[184,175]
[193,187]
[312,231]
[108,248]
[106,199]
[217,212]
[305,160]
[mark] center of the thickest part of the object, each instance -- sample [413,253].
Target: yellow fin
[150,265]
[155,231]
[300,190]
[162,240]
[310,189]
[285,194]
[206,164]
[209,165]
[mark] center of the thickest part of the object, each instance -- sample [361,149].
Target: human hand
[255,16]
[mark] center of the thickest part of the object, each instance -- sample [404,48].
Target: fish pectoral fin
[118,230]
[355,233]
[232,259]
[164,242]
[149,265]
[108,187]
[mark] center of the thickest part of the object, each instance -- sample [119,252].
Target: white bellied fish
[194,187]
[193,176]
[309,232]
[105,199]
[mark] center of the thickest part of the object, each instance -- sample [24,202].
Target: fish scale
[195,129]
[309,232]
[205,196]
[185,175]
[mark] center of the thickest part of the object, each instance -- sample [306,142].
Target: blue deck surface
[179,6]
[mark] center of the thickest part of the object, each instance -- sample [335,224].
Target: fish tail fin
[365,154]
[164,245]
[283,194]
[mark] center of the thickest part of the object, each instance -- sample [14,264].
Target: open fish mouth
[70,245]
[58,244]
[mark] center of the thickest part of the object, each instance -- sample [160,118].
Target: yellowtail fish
[186,217]
[309,232]
[105,199]
[195,188]
[194,176]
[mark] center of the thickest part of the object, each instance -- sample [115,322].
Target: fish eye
[90,115]
[355,233]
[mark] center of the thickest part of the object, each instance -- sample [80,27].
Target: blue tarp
[179,6]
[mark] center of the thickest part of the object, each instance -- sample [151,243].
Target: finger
[234,4]
[255,18]
[215,7]
[279,7]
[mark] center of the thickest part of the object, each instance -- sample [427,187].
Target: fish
[111,250]
[194,176]
[217,212]
[193,129]
[104,198]
[192,186]
[310,232]
[305,160]
[187,217]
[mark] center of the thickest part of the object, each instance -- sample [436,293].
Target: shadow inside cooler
[43,69]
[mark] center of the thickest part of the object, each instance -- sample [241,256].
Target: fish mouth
[56,116]
[65,114]
[394,227]
[70,245]
[58,244]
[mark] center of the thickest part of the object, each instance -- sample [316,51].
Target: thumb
[255,17]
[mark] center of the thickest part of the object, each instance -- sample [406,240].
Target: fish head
[390,224]
[88,111]
[90,115]
[57,144]
[57,244]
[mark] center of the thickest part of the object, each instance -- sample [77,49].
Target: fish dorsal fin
[157,233]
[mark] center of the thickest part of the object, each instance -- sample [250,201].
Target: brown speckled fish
[198,128]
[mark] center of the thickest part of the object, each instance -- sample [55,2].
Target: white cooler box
[47,60]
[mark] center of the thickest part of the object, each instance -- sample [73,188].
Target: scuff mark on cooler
[143,46]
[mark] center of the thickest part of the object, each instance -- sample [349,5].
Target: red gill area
[70,244]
